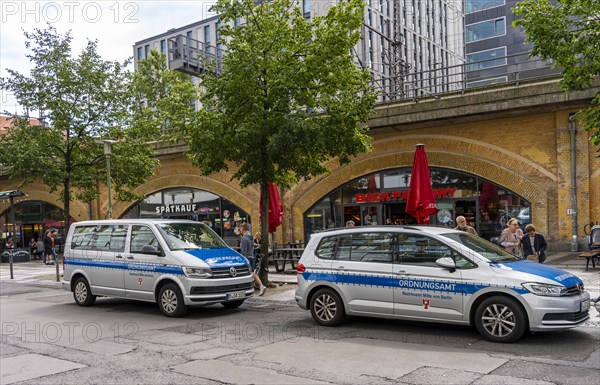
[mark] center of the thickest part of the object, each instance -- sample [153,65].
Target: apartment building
[412,47]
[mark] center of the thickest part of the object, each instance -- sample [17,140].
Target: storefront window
[32,219]
[380,198]
[188,203]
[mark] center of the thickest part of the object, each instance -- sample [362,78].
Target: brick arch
[532,182]
[246,199]
[39,192]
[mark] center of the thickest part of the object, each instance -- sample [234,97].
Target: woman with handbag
[510,238]
[534,244]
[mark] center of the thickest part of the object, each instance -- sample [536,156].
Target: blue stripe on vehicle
[216,258]
[557,275]
[403,283]
[146,267]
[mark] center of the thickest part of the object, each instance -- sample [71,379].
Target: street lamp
[107,153]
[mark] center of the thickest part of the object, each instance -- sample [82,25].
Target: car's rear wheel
[82,294]
[233,304]
[501,319]
[170,301]
[327,307]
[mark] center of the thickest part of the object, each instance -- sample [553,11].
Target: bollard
[57,269]
[10,259]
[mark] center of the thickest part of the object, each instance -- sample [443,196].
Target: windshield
[494,253]
[187,236]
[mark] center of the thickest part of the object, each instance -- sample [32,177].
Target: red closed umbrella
[421,200]
[275,208]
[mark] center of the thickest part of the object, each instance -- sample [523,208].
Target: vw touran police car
[438,275]
[173,263]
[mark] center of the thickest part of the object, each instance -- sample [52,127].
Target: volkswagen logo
[232,271]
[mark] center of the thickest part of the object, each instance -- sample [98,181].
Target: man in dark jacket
[534,243]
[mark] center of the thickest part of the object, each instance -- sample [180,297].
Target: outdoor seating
[286,253]
[593,255]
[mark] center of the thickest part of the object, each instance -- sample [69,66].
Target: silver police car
[435,274]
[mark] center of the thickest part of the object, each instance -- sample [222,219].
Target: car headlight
[197,272]
[545,289]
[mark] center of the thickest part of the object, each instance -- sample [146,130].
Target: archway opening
[380,198]
[220,214]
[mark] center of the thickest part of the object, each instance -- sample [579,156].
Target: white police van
[438,275]
[174,263]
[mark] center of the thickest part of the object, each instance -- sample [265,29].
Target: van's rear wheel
[501,319]
[327,307]
[82,294]
[233,304]
[170,301]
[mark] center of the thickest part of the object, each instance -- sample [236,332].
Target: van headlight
[197,272]
[545,289]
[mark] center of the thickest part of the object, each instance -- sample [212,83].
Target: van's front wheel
[501,319]
[82,294]
[170,301]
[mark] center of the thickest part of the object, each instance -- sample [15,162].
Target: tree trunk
[67,210]
[264,230]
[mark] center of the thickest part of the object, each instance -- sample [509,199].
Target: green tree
[82,99]
[568,32]
[288,96]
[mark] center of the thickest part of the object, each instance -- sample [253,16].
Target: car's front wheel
[501,319]
[327,307]
[170,301]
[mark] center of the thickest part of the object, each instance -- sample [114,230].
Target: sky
[117,25]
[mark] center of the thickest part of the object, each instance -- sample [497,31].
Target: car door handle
[341,268]
[130,257]
[119,256]
[402,272]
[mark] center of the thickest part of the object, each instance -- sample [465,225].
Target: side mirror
[149,249]
[447,263]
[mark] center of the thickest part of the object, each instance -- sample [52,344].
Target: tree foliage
[288,98]
[568,32]
[81,99]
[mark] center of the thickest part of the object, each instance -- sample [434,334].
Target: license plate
[585,305]
[242,294]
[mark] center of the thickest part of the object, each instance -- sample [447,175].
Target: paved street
[47,339]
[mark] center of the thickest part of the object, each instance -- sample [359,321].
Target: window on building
[163,46]
[306,8]
[486,59]
[190,35]
[477,5]
[140,53]
[147,50]
[485,29]
[487,82]
[207,35]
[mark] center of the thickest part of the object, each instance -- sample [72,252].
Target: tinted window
[371,247]
[140,237]
[415,249]
[493,253]
[99,237]
[326,248]
[82,237]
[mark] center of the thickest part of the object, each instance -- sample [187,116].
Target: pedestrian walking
[534,244]
[247,250]
[510,238]
[461,224]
